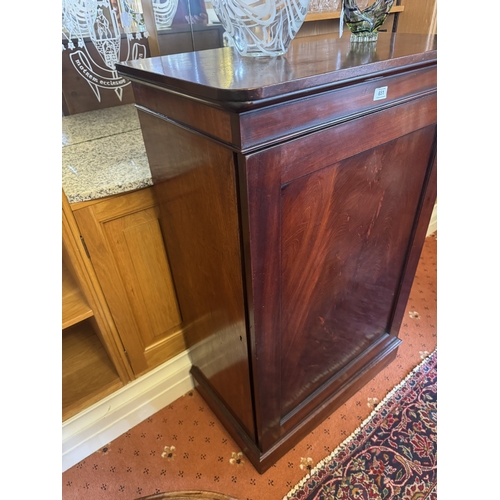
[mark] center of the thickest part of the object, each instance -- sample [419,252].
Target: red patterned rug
[392,455]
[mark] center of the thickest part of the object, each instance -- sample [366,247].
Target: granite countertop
[103,154]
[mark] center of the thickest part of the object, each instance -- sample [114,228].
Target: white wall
[433,223]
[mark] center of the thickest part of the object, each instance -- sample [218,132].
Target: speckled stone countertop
[103,154]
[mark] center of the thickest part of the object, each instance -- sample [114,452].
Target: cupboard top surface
[312,63]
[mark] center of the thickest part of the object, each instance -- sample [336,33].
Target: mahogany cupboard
[295,195]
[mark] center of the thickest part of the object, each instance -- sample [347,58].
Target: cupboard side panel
[194,181]
[418,238]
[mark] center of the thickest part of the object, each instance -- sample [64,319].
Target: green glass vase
[364,24]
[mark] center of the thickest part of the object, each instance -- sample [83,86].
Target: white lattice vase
[164,11]
[261,27]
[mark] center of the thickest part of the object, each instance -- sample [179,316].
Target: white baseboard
[104,421]
[433,223]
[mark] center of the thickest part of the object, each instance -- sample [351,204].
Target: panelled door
[331,223]
[125,244]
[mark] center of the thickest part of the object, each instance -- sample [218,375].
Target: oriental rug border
[330,479]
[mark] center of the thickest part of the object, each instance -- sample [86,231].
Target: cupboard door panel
[145,273]
[345,232]
[126,247]
[330,238]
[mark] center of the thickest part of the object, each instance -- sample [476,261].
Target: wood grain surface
[313,63]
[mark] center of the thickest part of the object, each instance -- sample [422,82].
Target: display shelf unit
[88,373]
[74,305]
[91,369]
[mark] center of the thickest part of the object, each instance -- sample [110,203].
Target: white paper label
[380,93]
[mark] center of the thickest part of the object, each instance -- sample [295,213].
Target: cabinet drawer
[269,125]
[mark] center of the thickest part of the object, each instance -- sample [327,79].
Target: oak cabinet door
[125,244]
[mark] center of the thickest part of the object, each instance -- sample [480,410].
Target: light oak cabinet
[420,17]
[125,245]
[120,316]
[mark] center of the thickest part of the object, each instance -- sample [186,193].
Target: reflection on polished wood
[199,218]
[227,80]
